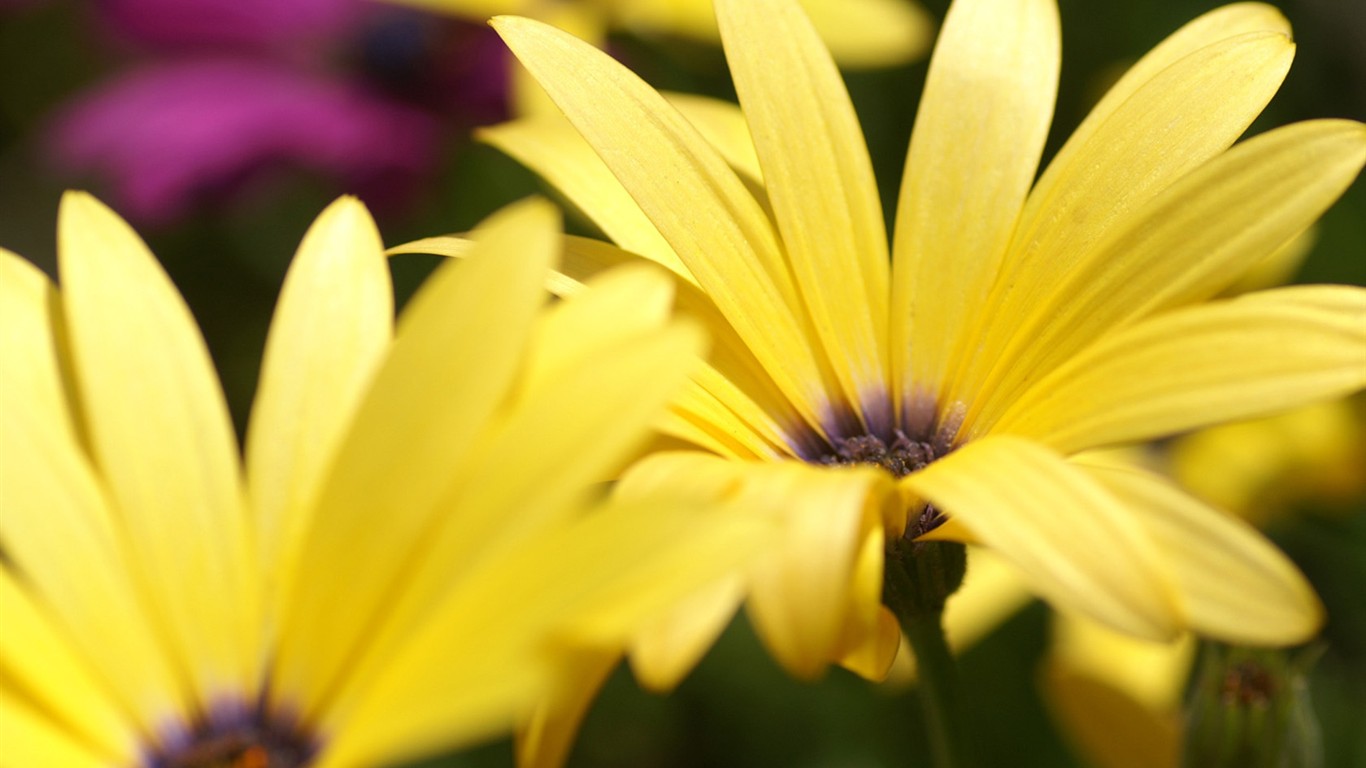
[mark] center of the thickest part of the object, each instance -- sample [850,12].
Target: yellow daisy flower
[407,562]
[1016,322]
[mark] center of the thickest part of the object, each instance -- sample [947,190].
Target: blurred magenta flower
[222,93]
[166,135]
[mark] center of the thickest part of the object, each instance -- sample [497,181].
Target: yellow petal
[733,407]
[1074,543]
[664,651]
[1217,26]
[594,581]
[871,652]
[459,347]
[978,136]
[723,125]
[161,436]
[992,592]
[1109,728]
[1175,121]
[549,145]
[686,189]
[332,325]
[1194,367]
[1233,584]
[29,305]
[1187,243]
[546,738]
[32,739]
[58,532]
[820,184]
[40,668]
[801,593]
[1152,674]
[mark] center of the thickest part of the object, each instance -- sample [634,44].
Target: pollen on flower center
[254,741]
[902,457]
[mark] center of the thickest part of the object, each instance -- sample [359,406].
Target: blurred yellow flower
[1020,323]
[407,559]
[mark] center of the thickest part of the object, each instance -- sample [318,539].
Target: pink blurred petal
[167,135]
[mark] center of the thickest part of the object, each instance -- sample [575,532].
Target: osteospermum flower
[398,571]
[1017,322]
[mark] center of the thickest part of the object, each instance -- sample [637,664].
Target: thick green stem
[919,577]
[938,680]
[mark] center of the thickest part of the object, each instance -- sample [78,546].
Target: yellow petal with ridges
[1073,542]
[41,669]
[1234,585]
[978,136]
[593,582]
[686,189]
[458,349]
[549,145]
[331,328]
[1177,120]
[733,394]
[596,413]
[1194,367]
[1187,244]
[723,125]
[1219,25]
[820,185]
[161,436]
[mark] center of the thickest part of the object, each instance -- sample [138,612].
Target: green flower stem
[919,577]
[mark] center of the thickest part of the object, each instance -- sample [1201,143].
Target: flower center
[257,741]
[902,457]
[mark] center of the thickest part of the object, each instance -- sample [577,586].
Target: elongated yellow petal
[664,651]
[161,436]
[1188,243]
[332,326]
[1171,124]
[735,404]
[689,193]
[459,346]
[976,145]
[28,352]
[32,739]
[723,125]
[1234,585]
[39,666]
[58,531]
[802,591]
[820,183]
[596,413]
[594,581]
[1199,366]
[1217,26]
[1108,727]
[545,739]
[549,145]
[1074,543]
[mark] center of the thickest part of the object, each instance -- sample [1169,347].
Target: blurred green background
[738,708]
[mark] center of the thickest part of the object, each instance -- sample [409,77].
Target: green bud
[1250,708]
